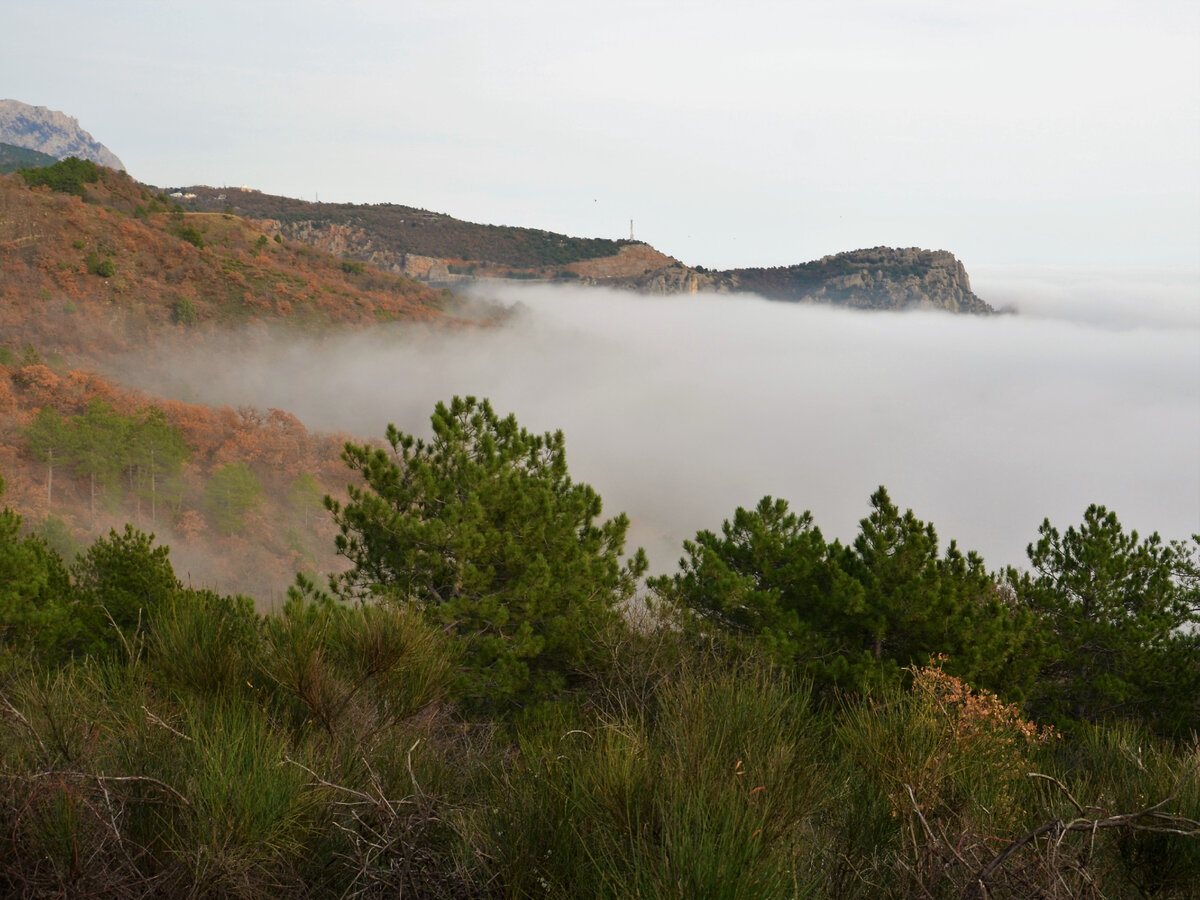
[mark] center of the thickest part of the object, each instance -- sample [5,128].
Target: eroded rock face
[52,132]
[876,278]
[883,278]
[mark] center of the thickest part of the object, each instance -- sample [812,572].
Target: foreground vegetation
[482,706]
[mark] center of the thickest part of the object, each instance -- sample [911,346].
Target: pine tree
[852,617]
[117,582]
[98,447]
[483,529]
[34,589]
[49,440]
[157,452]
[1121,613]
[918,603]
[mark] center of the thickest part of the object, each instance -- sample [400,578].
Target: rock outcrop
[51,132]
[883,278]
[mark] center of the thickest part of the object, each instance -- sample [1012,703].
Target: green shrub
[231,492]
[191,234]
[354,670]
[251,818]
[184,312]
[59,538]
[205,643]
[102,266]
[713,796]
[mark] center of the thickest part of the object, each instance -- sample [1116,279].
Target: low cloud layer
[678,410]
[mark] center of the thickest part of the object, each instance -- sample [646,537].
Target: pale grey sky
[758,133]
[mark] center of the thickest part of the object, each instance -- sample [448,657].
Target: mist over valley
[680,409]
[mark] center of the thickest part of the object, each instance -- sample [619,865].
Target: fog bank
[678,410]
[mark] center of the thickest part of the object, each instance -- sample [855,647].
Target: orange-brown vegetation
[55,251]
[84,279]
[280,537]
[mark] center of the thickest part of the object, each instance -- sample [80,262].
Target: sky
[757,133]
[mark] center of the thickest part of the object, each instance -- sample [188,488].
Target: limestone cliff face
[341,240]
[354,242]
[878,278]
[881,278]
[51,132]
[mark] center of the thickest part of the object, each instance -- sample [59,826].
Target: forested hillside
[13,158]
[388,231]
[236,493]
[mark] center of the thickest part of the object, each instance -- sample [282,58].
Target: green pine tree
[157,452]
[1121,613]
[34,591]
[231,492]
[117,582]
[483,529]
[98,447]
[49,437]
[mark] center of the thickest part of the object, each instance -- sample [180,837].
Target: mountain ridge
[443,251]
[51,132]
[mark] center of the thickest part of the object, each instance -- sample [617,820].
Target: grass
[317,752]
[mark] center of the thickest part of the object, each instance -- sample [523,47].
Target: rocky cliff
[51,132]
[877,278]
[883,278]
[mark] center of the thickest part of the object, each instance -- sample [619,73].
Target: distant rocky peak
[52,132]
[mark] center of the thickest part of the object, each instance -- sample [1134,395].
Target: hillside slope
[90,276]
[441,250]
[13,157]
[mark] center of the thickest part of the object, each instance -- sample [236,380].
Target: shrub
[355,670]
[102,266]
[231,492]
[710,797]
[184,312]
[204,643]
[191,234]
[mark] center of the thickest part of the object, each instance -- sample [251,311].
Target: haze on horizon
[680,409]
[761,133]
